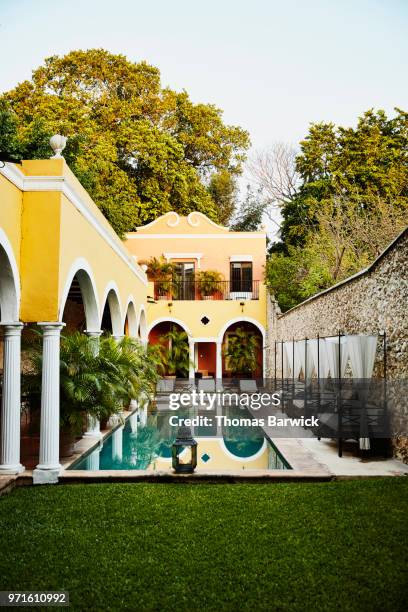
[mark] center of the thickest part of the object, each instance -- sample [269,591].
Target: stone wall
[370,302]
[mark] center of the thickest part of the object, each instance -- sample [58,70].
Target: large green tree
[350,202]
[140,149]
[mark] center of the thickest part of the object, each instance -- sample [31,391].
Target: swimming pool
[146,444]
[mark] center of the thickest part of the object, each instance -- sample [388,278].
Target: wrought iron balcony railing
[198,290]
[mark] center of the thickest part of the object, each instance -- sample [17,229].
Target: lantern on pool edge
[184,452]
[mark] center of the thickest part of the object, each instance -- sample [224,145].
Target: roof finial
[58,144]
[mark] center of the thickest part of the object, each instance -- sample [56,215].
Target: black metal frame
[173,290]
[341,404]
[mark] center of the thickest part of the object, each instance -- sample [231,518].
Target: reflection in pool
[147,445]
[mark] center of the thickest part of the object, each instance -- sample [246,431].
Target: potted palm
[241,352]
[160,271]
[175,353]
[209,283]
[139,370]
[94,383]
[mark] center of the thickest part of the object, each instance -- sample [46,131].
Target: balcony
[195,290]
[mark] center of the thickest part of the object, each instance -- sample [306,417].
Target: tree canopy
[140,149]
[350,201]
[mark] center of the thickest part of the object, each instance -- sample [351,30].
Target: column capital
[94,333]
[51,328]
[12,328]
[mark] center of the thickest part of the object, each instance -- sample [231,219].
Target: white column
[48,469]
[95,335]
[11,400]
[118,337]
[191,371]
[117,444]
[218,365]
[93,425]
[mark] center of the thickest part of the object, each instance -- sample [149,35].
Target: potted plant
[96,384]
[160,271]
[241,352]
[209,283]
[175,353]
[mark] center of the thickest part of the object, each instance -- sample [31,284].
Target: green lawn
[327,546]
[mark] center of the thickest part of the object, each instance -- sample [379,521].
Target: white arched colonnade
[48,467]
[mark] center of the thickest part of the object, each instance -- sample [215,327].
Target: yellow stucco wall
[218,311]
[11,202]
[79,239]
[50,229]
[39,269]
[174,234]
[213,246]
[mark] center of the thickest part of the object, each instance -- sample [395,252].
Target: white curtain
[307,360]
[318,352]
[287,359]
[299,349]
[332,349]
[362,350]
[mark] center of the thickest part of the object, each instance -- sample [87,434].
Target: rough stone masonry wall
[371,302]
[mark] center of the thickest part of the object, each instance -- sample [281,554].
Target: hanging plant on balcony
[241,352]
[209,282]
[175,352]
[160,271]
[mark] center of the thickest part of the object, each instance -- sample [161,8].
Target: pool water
[145,443]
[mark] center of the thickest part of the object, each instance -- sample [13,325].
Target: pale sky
[272,66]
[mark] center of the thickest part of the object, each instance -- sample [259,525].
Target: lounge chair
[165,385]
[248,386]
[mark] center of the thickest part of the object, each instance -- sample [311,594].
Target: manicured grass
[328,546]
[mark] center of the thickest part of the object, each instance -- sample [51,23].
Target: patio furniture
[248,386]
[165,385]
[207,385]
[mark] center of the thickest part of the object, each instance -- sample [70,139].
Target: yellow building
[195,245]
[63,266]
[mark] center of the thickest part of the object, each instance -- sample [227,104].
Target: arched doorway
[245,339]
[79,308]
[130,327]
[112,321]
[10,359]
[9,289]
[172,339]
[9,283]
